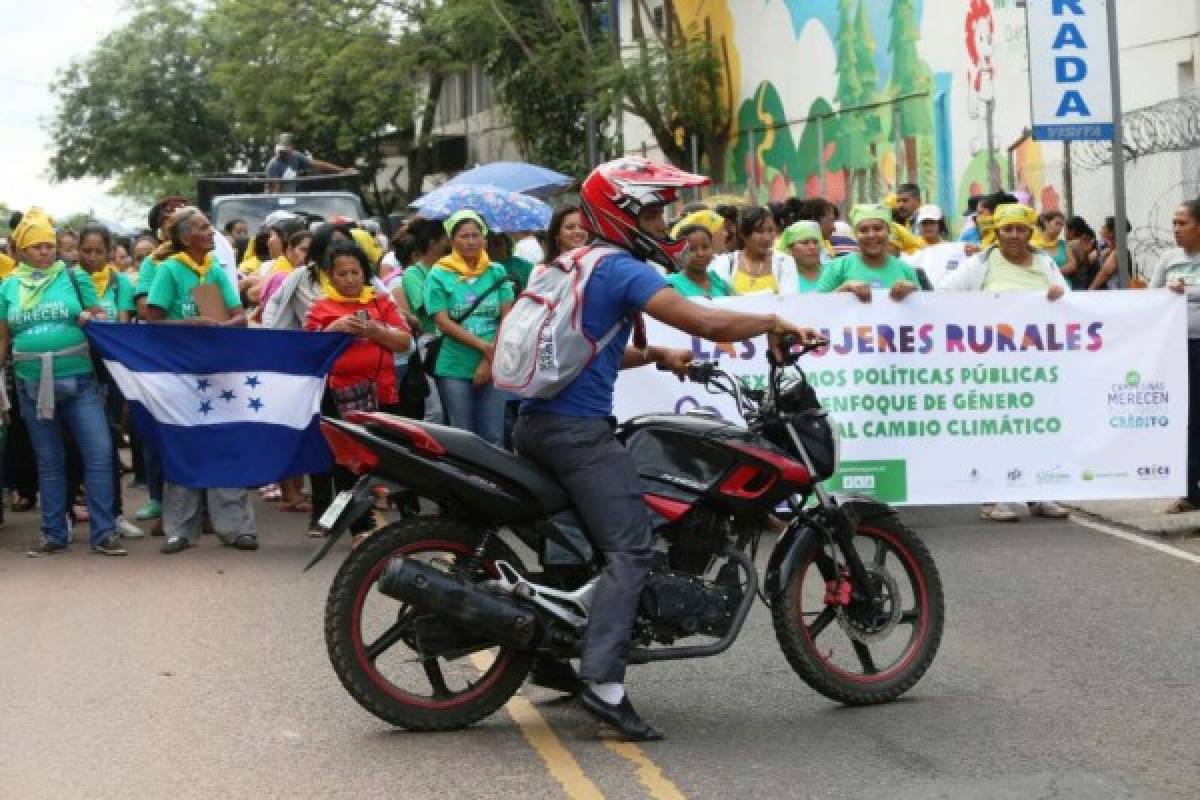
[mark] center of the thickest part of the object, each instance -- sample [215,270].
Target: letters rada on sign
[1070,88]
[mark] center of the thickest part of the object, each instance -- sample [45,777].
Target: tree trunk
[420,158]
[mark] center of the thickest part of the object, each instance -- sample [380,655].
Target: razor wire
[1170,126]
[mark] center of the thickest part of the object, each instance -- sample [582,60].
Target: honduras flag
[227,407]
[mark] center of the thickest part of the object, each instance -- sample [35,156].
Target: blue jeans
[479,409]
[78,405]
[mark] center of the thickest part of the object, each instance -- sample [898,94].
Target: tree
[852,153]
[910,83]
[141,108]
[868,81]
[543,70]
[678,83]
[330,73]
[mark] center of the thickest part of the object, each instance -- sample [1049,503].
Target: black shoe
[110,547]
[620,716]
[241,542]
[46,549]
[553,673]
[176,544]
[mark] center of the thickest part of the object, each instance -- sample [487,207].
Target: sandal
[1180,506]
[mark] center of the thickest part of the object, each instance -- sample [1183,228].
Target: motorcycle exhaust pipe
[463,604]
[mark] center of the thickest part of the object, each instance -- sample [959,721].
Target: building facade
[849,98]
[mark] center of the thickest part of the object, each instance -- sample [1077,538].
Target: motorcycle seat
[464,446]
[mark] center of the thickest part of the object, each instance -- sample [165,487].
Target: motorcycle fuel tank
[682,455]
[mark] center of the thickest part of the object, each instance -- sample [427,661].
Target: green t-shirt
[173,285]
[688,288]
[448,291]
[146,273]
[850,267]
[805,285]
[414,290]
[53,324]
[118,296]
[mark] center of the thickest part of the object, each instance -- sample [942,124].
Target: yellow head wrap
[1014,214]
[711,221]
[36,228]
[368,244]
[865,211]
[803,231]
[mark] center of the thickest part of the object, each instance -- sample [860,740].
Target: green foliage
[852,151]
[868,77]
[141,107]
[678,84]
[543,75]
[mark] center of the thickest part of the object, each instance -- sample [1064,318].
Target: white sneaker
[998,512]
[1049,509]
[127,530]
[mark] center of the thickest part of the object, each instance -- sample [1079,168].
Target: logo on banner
[1155,472]
[1134,405]
[1015,475]
[1054,476]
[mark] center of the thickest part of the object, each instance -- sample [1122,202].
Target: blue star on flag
[203,385]
[206,407]
[253,381]
[255,404]
[228,396]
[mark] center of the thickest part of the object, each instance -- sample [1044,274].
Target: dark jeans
[326,485]
[601,478]
[1193,449]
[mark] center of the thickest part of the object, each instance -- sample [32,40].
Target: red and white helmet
[616,192]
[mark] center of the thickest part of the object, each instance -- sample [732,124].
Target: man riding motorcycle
[572,433]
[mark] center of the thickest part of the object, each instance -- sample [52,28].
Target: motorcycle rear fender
[802,535]
[363,501]
[471,495]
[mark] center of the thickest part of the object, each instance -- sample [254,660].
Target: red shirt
[363,360]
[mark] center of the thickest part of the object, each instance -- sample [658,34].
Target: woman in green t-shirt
[873,266]
[43,307]
[188,265]
[803,242]
[114,291]
[425,242]
[696,279]
[464,364]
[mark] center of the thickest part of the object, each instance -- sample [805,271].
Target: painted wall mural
[849,98]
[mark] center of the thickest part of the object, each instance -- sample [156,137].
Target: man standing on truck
[287,165]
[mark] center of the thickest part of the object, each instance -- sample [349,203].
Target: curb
[1163,526]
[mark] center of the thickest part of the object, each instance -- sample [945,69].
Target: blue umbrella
[515,176]
[503,211]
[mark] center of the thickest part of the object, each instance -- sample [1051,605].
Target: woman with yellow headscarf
[469,326]
[43,307]
[1012,265]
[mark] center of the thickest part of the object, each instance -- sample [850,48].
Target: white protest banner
[975,397]
[1069,80]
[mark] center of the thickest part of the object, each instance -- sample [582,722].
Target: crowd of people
[424,308]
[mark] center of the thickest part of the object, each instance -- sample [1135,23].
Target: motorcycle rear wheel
[855,655]
[381,670]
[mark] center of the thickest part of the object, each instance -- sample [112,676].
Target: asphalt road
[1068,669]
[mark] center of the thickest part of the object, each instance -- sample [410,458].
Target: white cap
[278,216]
[930,213]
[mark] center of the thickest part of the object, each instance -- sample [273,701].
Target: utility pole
[1120,213]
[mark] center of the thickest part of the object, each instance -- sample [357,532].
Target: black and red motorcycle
[433,621]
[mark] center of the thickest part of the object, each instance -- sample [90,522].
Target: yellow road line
[559,761]
[650,775]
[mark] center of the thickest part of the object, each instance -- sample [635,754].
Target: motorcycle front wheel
[852,652]
[375,643]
